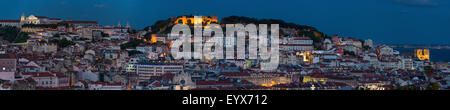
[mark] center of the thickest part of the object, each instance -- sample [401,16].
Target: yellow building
[192,20]
[313,78]
[263,79]
[422,54]
[307,56]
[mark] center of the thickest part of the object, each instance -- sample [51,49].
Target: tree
[43,41]
[132,43]
[366,47]
[159,25]
[62,43]
[56,35]
[132,31]
[159,43]
[11,34]
[107,61]
[349,53]
[134,52]
[428,71]
[23,37]
[104,34]
[435,86]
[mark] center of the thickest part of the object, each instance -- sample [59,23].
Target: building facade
[8,66]
[146,71]
[14,23]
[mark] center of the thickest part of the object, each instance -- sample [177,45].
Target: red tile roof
[41,17]
[10,21]
[214,83]
[7,85]
[54,18]
[295,45]
[7,56]
[237,74]
[301,38]
[82,22]
[42,74]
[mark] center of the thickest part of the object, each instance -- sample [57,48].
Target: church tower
[128,25]
[22,18]
[119,25]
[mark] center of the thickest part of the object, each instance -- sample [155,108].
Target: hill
[286,29]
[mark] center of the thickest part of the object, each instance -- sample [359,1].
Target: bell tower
[128,25]
[22,18]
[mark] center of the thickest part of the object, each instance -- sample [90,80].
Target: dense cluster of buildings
[97,61]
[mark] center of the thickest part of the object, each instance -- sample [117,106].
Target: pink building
[7,66]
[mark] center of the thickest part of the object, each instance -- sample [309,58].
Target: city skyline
[74,50]
[217,54]
[385,21]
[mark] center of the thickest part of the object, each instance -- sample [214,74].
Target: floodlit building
[147,70]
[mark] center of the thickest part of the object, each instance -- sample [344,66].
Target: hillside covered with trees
[286,28]
[13,34]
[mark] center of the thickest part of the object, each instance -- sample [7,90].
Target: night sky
[384,21]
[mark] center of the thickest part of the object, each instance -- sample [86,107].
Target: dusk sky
[384,21]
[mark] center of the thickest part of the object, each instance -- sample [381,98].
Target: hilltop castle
[191,20]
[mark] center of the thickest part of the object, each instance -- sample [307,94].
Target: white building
[105,86]
[14,23]
[297,44]
[369,43]
[39,20]
[408,63]
[386,50]
[146,71]
[45,48]
[391,65]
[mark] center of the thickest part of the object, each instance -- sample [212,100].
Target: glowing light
[204,19]
[422,54]
[153,40]
[306,55]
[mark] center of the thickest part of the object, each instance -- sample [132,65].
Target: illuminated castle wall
[307,56]
[422,54]
[191,20]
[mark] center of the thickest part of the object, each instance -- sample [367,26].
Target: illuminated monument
[191,20]
[422,54]
[307,56]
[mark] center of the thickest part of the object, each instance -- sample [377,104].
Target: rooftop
[82,22]
[7,56]
[10,21]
